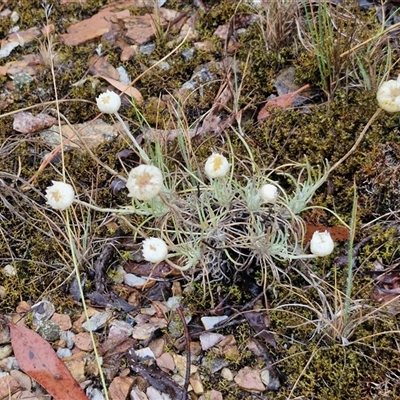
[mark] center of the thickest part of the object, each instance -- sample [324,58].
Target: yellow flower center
[57,195]
[217,163]
[144,180]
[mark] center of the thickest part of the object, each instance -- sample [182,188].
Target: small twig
[156,377]
[357,142]
[250,304]
[387,30]
[230,322]
[187,340]
[101,264]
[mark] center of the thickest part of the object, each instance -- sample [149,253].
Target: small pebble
[64,352]
[97,321]
[210,322]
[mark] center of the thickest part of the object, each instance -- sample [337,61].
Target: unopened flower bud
[269,193]
[321,244]
[388,95]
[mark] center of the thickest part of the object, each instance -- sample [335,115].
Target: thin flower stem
[106,210]
[141,152]
[85,310]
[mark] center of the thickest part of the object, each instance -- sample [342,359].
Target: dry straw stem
[377,36]
[279,21]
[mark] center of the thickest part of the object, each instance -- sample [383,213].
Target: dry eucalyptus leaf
[128,90]
[283,101]
[100,66]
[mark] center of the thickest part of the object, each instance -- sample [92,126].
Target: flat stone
[210,322]
[210,339]
[8,385]
[228,348]
[23,307]
[196,383]
[145,330]
[83,341]
[68,338]
[133,280]
[249,379]
[227,374]
[10,270]
[148,311]
[215,364]
[137,394]
[8,364]
[5,351]
[195,349]
[23,379]
[180,363]
[154,394]
[76,365]
[145,353]
[173,302]
[97,321]
[119,330]
[77,325]
[166,362]
[95,394]
[157,346]
[42,311]
[265,377]
[62,353]
[211,395]
[62,320]
[120,387]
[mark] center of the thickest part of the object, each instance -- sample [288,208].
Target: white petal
[269,193]
[321,244]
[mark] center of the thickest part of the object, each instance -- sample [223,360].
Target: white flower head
[154,250]
[144,182]
[388,95]
[321,244]
[60,195]
[108,102]
[269,193]
[216,166]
